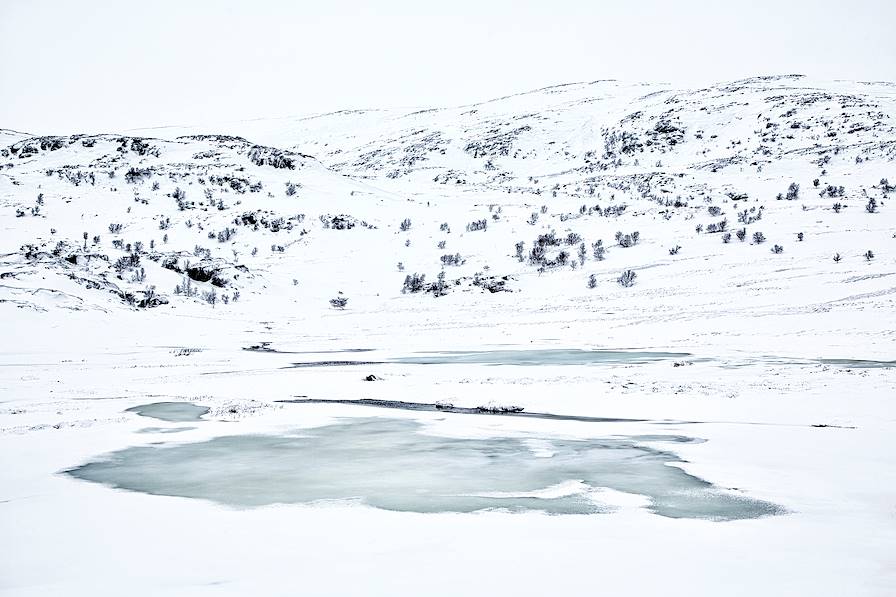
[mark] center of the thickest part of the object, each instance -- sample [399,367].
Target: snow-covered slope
[559,170]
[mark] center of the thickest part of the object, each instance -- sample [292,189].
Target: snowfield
[199,265]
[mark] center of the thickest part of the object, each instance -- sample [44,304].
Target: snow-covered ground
[784,360]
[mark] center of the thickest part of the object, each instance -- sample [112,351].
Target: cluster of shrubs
[129,261]
[339,302]
[455,259]
[340,222]
[748,216]
[240,185]
[793,192]
[135,175]
[225,235]
[186,288]
[833,192]
[538,255]
[257,219]
[270,156]
[491,283]
[416,283]
[477,225]
[627,278]
[627,240]
[572,238]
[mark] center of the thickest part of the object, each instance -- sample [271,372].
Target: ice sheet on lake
[387,463]
[172,412]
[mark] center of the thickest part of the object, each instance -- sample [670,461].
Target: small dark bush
[793,191]
[414,283]
[627,278]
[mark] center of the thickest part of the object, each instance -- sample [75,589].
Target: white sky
[106,65]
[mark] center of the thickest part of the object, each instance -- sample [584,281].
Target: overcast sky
[107,65]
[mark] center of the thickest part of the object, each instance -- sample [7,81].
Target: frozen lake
[394,465]
[551,356]
[172,412]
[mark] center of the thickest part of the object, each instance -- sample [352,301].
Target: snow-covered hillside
[696,173]
[741,236]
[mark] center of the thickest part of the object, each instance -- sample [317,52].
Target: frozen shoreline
[74,537]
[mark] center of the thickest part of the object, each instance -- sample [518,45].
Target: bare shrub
[414,283]
[628,240]
[210,296]
[627,278]
[793,191]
